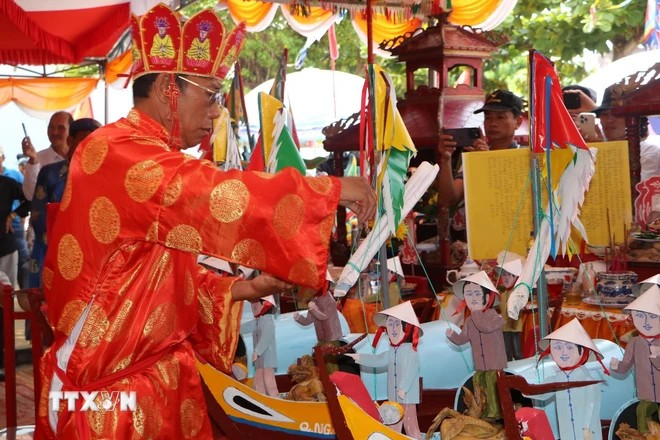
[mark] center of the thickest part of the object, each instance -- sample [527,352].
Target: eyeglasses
[214,96]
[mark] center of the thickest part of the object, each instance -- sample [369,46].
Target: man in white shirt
[58,131]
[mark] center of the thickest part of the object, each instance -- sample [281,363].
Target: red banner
[551,124]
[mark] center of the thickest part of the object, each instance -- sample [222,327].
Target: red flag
[332,41]
[257,162]
[551,123]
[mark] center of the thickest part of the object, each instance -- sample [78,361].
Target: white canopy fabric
[316,98]
[619,69]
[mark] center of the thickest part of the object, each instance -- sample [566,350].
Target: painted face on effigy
[646,323]
[394,328]
[474,296]
[507,279]
[565,354]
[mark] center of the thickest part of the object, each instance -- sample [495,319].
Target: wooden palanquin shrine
[633,97]
[443,63]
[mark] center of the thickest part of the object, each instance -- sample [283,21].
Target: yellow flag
[560,158]
[220,136]
[269,106]
[390,129]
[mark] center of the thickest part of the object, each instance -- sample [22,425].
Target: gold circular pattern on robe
[229,200]
[69,257]
[40,193]
[152,232]
[147,418]
[326,229]
[104,220]
[288,216]
[161,323]
[123,364]
[66,196]
[264,175]
[188,289]
[70,315]
[250,253]
[205,306]
[47,275]
[185,238]
[93,331]
[173,191]
[143,180]
[321,185]
[192,418]
[160,272]
[303,272]
[44,401]
[169,370]
[93,154]
[119,321]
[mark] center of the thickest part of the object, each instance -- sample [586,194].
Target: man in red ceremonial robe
[131,309]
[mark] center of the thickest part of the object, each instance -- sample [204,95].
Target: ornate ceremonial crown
[200,46]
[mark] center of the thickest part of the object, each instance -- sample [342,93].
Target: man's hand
[478,145]
[255,356]
[401,394]
[358,196]
[655,352]
[28,149]
[262,285]
[446,146]
[586,103]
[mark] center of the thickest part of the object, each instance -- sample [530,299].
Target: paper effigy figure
[643,354]
[264,355]
[578,409]
[483,330]
[402,361]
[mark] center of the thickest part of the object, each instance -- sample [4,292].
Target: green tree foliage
[562,30]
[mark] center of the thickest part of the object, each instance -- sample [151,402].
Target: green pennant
[397,167]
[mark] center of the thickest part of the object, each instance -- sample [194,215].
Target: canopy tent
[66,32]
[36,32]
